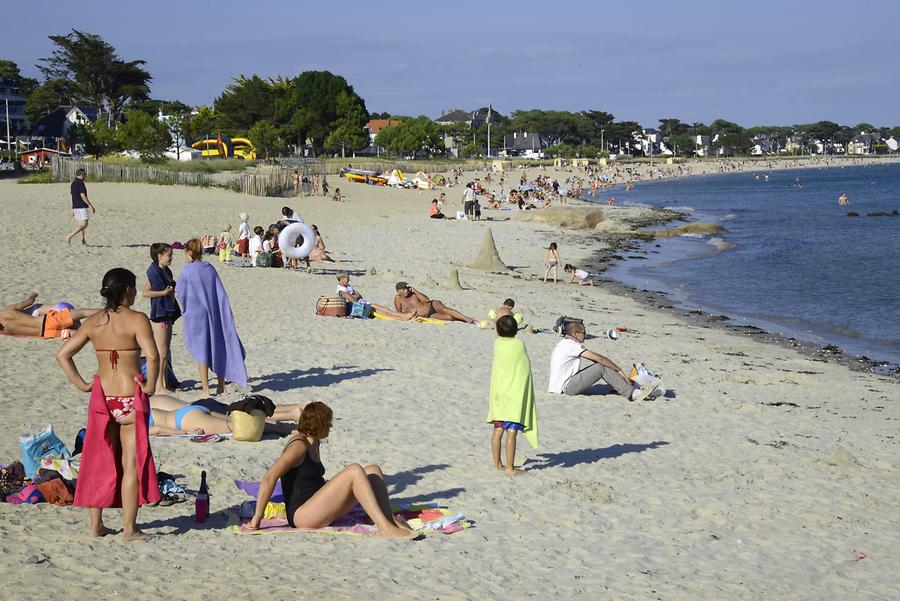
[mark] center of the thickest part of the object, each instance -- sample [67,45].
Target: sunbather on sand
[409,299]
[351,295]
[48,323]
[208,416]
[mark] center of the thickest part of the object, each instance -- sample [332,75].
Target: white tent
[396,178]
[187,154]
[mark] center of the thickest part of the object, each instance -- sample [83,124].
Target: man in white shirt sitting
[574,369]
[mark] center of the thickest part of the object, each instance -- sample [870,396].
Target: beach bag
[247,427]
[56,492]
[564,322]
[40,444]
[331,306]
[640,375]
[360,310]
[264,259]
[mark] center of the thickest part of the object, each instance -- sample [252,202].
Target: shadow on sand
[403,480]
[582,456]
[315,376]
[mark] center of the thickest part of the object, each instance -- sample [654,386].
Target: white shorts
[80,214]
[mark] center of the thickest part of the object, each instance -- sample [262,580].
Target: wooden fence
[271,182]
[64,170]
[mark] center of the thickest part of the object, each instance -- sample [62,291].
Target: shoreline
[605,259]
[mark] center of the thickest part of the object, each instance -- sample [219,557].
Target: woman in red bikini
[117,430]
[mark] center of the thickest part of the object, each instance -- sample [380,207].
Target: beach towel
[252,489]
[426,518]
[100,472]
[512,391]
[436,322]
[209,332]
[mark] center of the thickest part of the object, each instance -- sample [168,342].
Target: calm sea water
[799,266]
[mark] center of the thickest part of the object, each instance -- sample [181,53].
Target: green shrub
[39,177]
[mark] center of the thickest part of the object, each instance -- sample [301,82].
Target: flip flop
[171,499]
[207,438]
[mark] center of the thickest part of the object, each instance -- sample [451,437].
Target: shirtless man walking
[48,323]
[409,299]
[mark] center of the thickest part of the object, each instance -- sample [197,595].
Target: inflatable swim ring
[289,236]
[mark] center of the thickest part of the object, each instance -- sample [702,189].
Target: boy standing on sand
[80,206]
[512,409]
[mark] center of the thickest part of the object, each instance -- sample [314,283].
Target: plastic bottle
[201,503]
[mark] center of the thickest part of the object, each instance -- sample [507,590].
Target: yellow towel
[436,322]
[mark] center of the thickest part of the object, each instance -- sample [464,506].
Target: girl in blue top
[164,309]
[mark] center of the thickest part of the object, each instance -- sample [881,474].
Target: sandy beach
[762,474]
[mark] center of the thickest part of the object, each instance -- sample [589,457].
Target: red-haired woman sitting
[310,501]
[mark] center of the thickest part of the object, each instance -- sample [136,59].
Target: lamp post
[601,139]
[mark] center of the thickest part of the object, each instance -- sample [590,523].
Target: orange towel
[55,322]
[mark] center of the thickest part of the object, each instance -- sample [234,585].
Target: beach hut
[39,158]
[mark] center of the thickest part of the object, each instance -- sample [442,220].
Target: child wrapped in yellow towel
[512,409]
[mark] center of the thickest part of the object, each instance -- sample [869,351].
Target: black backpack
[563,323]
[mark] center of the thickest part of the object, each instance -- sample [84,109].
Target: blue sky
[759,62]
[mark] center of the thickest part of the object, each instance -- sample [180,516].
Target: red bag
[331,306]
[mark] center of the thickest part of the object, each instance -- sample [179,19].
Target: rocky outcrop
[577,218]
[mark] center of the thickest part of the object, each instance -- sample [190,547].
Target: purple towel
[209,332]
[252,489]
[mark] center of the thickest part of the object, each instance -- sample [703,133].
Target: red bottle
[201,503]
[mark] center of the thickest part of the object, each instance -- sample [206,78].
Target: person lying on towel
[171,416]
[16,319]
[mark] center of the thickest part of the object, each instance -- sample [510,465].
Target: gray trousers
[589,373]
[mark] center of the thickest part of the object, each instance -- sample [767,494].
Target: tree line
[315,108]
[321,111]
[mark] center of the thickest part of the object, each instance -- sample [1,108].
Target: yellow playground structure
[224,147]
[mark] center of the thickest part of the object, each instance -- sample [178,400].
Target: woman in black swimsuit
[310,501]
